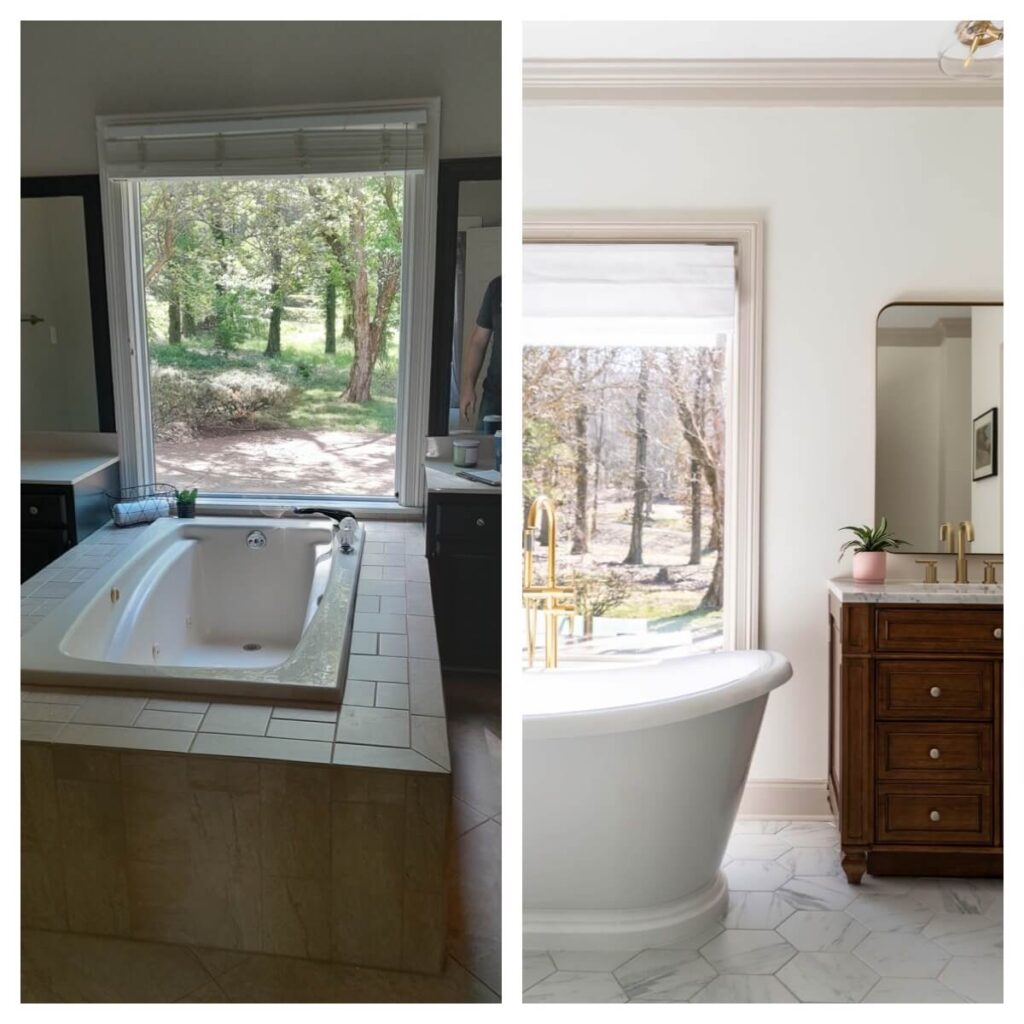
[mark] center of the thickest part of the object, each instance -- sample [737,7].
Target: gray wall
[72,71]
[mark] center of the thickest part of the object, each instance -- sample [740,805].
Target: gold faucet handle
[990,570]
[931,570]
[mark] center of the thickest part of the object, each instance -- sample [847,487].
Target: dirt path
[285,461]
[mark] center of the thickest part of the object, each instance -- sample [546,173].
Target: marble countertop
[442,477]
[910,592]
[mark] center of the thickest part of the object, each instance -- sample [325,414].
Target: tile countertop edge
[847,591]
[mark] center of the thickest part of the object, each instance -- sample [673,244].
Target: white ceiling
[735,40]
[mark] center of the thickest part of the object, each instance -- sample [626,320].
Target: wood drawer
[934,752]
[939,630]
[904,814]
[934,690]
[43,509]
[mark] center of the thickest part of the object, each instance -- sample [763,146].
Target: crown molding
[753,83]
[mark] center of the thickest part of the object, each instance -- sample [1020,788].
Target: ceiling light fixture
[975,52]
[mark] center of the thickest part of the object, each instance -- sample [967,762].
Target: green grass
[318,378]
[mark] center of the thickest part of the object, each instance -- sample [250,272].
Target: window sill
[253,505]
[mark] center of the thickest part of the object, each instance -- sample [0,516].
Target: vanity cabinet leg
[855,863]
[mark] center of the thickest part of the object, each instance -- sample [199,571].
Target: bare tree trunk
[712,599]
[174,319]
[330,314]
[635,555]
[276,309]
[580,531]
[696,487]
[598,450]
[188,323]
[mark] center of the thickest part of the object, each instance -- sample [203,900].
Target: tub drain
[252,647]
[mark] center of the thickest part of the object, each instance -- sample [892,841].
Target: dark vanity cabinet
[916,737]
[464,555]
[55,517]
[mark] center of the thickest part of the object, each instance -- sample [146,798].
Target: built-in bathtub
[228,606]
[635,760]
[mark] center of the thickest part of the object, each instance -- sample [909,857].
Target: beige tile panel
[295,811]
[93,855]
[43,903]
[125,737]
[426,693]
[296,917]
[99,710]
[237,719]
[291,728]
[394,758]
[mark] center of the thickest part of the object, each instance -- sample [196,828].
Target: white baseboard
[788,799]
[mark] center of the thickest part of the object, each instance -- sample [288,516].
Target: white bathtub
[194,607]
[634,765]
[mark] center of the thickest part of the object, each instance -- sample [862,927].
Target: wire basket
[133,506]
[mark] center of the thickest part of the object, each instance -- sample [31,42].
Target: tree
[581,453]
[635,555]
[704,447]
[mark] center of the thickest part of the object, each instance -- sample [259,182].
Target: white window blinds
[628,294]
[370,142]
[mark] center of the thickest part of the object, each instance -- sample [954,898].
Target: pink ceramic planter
[869,566]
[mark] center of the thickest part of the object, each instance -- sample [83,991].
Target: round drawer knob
[33,510]
[998,632]
[481,522]
[934,753]
[935,816]
[936,691]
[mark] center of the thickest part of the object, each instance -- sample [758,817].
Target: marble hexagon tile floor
[796,931]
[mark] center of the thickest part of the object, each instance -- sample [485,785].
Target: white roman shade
[368,142]
[660,294]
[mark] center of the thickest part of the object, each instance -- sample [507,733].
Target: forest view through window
[624,427]
[273,309]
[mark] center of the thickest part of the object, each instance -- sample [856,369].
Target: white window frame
[742,528]
[126,299]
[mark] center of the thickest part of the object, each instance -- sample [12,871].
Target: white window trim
[743,368]
[126,299]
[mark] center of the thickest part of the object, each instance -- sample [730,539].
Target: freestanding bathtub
[249,607]
[634,765]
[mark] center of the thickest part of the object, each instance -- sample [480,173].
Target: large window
[625,409]
[269,277]
[272,322]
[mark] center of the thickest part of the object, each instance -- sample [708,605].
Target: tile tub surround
[909,592]
[388,699]
[381,760]
[323,862]
[796,931]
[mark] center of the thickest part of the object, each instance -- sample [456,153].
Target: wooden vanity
[915,729]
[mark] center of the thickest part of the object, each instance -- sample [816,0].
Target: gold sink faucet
[551,600]
[964,534]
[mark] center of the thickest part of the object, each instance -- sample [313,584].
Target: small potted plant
[187,502]
[869,551]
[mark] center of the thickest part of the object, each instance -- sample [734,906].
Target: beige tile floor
[62,967]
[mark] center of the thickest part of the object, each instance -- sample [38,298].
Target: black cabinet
[464,555]
[55,517]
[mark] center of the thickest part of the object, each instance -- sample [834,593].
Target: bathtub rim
[762,679]
[45,666]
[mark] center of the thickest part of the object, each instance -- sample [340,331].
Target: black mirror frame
[87,186]
[451,174]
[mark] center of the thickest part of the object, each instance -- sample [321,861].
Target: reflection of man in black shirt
[487,330]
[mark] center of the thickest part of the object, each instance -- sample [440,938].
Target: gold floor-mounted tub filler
[551,600]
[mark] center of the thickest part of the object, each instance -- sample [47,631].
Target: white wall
[72,71]
[856,203]
[986,393]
